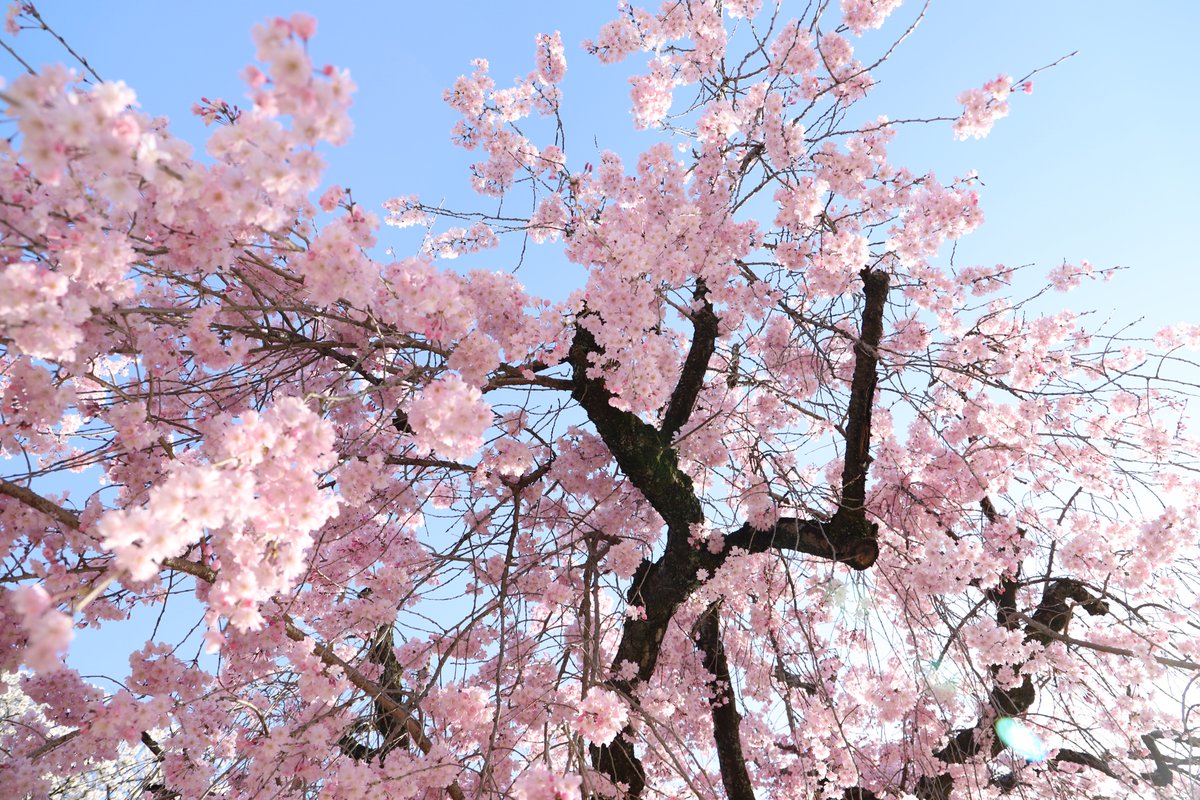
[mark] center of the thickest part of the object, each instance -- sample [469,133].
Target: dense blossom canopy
[781,502]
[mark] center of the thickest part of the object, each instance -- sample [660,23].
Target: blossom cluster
[450,418]
[255,501]
[982,108]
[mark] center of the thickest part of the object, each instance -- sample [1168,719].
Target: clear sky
[1098,163]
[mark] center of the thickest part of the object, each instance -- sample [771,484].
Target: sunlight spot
[1019,738]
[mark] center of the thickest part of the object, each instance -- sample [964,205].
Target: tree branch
[862,392]
[1049,620]
[394,733]
[691,377]
[651,464]
[1162,770]
[1066,756]
[384,702]
[727,722]
[382,699]
[39,503]
[836,540]
[644,454]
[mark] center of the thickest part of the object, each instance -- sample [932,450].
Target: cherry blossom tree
[782,501]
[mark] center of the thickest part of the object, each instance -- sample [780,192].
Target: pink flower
[982,107]
[331,196]
[552,64]
[540,783]
[616,40]
[742,8]
[303,25]
[15,9]
[48,631]
[601,716]
[450,418]
[651,94]
[863,14]
[405,211]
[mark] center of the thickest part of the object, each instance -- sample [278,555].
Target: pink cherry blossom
[863,14]
[450,418]
[601,716]
[982,108]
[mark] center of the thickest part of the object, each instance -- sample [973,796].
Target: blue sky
[1096,164]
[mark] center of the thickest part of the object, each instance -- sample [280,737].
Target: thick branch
[644,454]
[1049,620]
[1054,613]
[1066,756]
[1162,770]
[660,587]
[393,732]
[842,539]
[862,391]
[691,377]
[727,722]
[1004,594]
[620,763]
[36,501]
[152,784]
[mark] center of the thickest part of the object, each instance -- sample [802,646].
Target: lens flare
[1018,737]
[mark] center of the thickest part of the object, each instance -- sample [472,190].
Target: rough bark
[643,453]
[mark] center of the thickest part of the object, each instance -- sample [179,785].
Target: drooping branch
[1047,623]
[402,720]
[727,722]
[691,377]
